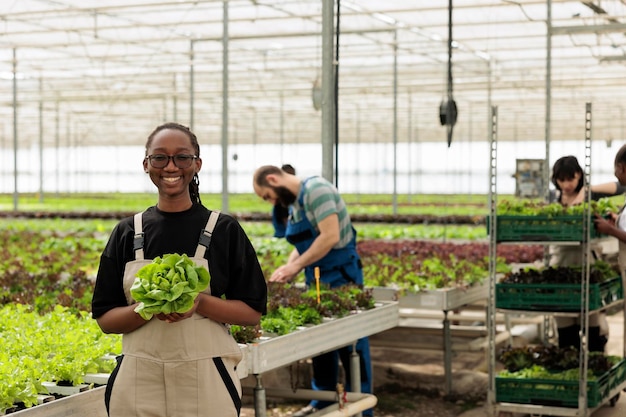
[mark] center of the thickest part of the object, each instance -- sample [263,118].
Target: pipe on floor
[356,402]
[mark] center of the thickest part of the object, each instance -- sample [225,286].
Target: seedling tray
[557,392]
[275,352]
[444,299]
[540,229]
[556,297]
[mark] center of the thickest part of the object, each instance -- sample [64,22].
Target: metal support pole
[409,138]
[548,116]
[260,404]
[355,372]
[584,282]
[395,123]
[357,154]
[40,141]
[282,126]
[447,352]
[15,171]
[175,99]
[192,85]
[68,141]
[491,305]
[225,110]
[57,145]
[328,90]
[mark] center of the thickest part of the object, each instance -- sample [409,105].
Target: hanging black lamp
[447,109]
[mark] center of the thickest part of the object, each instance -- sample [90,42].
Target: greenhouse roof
[91,72]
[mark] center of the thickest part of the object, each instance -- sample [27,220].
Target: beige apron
[182,369]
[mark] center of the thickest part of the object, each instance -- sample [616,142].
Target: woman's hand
[175,317]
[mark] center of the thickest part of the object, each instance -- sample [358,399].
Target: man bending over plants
[320,228]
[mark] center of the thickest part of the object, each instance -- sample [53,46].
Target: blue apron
[339,267]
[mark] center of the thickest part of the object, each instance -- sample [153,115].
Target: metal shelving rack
[539,410]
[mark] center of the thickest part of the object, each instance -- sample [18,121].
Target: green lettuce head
[170,284]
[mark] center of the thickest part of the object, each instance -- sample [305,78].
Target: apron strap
[138,239]
[205,236]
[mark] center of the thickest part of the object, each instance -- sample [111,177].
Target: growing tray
[444,299]
[557,297]
[275,352]
[540,229]
[557,392]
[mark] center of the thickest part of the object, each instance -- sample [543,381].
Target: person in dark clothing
[322,233]
[178,363]
[568,178]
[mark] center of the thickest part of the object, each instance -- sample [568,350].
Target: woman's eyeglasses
[181,161]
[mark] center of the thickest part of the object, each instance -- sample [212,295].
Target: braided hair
[194,185]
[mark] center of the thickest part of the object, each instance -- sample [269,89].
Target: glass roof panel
[123,66]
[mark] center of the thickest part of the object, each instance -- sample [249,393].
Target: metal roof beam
[580,29]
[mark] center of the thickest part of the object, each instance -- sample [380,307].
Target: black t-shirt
[233,264]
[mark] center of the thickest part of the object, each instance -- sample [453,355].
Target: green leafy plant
[525,207]
[169,284]
[551,362]
[60,346]
[600,271]
[291,307]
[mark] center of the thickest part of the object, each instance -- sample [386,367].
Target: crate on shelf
[511,228]
[556,297]
[558,393]
[617,374]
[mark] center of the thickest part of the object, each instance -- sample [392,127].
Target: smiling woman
[195,337]
[176,174]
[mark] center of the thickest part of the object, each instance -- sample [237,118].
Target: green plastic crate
[556,392]
[556,297]
[617,374]
[540,229]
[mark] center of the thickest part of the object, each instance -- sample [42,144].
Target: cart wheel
[614,400]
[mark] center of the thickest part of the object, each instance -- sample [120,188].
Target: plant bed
[89,403]
[59,346]
[64,390]
[100,378]
[269,353]
[445,299]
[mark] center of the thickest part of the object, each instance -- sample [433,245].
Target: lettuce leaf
[170,284]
